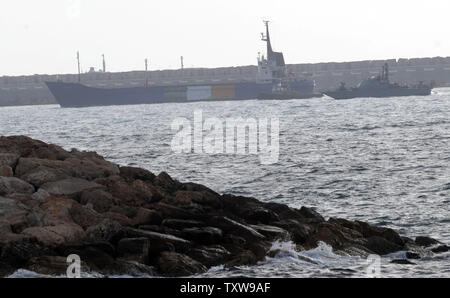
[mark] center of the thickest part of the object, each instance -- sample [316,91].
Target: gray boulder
[175,264]
[9,185]
[70,186]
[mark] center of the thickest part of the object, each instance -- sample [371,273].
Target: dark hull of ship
[79,95]
[379,93]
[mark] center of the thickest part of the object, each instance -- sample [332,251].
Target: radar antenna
[264,37]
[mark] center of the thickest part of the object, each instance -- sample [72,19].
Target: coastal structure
[126,220]
[31,90]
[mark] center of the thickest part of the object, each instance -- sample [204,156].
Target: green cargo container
[175,93]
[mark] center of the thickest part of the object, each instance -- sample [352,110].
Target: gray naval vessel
[380,86]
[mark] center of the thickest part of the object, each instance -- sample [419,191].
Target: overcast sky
[43,36]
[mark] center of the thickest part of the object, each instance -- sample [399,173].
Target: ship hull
[79,95]
[388,92]
[287,96]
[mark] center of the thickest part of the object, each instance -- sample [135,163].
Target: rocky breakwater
[125,220]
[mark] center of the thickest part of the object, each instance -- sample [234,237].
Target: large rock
[5,228]
[159,240]
[100,200]
[83,168]
[200,197]
[39,171]
[70,187]
[26,165]
[234,244]
[41,175]
[402,262]
[381,246]
[210,256]
[171,211]
[330,234]
[92,167]
[85,216]
[6,269]
[368,231]
[249,209]
[441,249]
[203,235]
[164,181]
[57,209]
[63,210]
[6,171]
[40,196]
[175,264]
[260,249]
[84,165]
[272,232]
[53,236]
[131,173]
[126,210]
[137,249]
[118,217]
[124,266]
[426,241]
[91,207]
[299,232]
[9,159]
[9,185]
[246,257]
[108,230]
[17,249]
[147,217]
[135,193]
[386,233]
[14,214]
[310,214]
[28,147]
[230,226]
[179,224]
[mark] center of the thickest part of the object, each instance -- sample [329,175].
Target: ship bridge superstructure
[271,68]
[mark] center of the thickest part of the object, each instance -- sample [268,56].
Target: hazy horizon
[42,37]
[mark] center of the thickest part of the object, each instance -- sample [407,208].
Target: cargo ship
[380,86]
[272,73]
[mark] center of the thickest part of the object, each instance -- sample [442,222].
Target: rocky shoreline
[126,220]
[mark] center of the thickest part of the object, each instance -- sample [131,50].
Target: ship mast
[266,38]
[104,63]
[386,72]
[79,70]
[146,73]
[182,62]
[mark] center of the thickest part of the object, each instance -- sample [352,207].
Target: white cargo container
[198,92]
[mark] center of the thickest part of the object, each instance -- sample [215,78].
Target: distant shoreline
[31,90]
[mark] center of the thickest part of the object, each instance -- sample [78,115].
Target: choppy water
[385,161]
